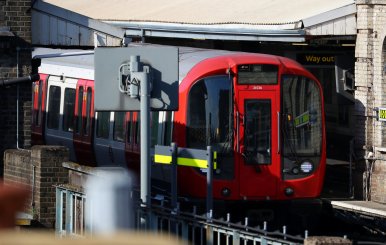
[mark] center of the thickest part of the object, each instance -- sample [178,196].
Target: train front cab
[275,146]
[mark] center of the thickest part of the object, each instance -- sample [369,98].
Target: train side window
[38,112]
[86,128]
[68,110]
[154,128]
[79,117]
[102,124]
[53,114]
[168,128]
[129,128]
[137,130]
[119,129]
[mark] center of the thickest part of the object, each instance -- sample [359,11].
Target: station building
[341,42]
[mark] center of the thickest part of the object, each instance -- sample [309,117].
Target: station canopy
[265,20]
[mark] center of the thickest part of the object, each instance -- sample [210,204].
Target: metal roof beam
[76,18]
[215,32]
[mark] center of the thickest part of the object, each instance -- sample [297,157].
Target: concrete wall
[41,170]
[371,93]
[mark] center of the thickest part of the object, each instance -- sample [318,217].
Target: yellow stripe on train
[189,162]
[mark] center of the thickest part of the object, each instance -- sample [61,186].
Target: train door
[60,112]
[258,161]
[109,138]
[84,121]
[39,94]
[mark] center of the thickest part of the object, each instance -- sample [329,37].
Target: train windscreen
[302,123]
[210,118]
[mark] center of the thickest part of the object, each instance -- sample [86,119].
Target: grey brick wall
[41,170]
[370,92]
[15,61]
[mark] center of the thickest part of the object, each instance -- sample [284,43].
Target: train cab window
[102,124]
[302,128]
[209,113]
[53,113]
[119,129]
[86,125]
[68,110]
[210,119]
[79,117]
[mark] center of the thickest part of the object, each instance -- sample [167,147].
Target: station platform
[368,208]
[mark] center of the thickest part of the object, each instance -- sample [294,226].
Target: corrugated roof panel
[251,12]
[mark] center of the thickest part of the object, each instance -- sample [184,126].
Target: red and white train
[263,114]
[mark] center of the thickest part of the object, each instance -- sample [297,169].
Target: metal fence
[70,212]
[200,229]
[189,226]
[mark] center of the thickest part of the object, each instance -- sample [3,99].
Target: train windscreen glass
[258,74]
[210,120]
[301,124]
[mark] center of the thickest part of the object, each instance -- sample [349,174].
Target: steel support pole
[145,140]
[174,176]
[209,183]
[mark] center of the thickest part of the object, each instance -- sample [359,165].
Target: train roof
[80,63]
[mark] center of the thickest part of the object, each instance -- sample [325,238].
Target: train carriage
[263,114]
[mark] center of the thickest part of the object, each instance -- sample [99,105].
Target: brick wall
[41,170]
[19,170]
[371,92]
[15,61]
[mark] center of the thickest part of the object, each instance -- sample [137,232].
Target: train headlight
[226,192]
[295,170]
[288,191]
[306,167]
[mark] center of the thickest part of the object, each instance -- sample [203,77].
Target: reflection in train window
[102,124]
[68,110]
[119,129]
[53,114]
